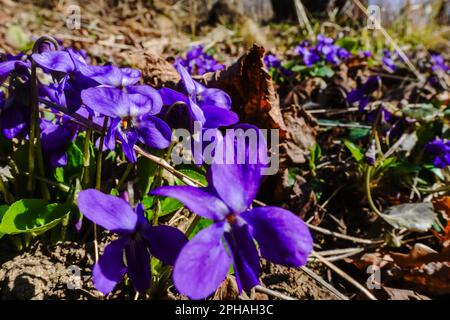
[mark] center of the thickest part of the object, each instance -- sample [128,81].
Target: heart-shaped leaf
[412,216]
[32,215]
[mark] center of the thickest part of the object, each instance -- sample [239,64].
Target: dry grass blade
[344,275]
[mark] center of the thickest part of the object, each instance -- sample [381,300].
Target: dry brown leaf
[156,71]
[419,255]
[228,290]
[442,204]
[250,87]
[371,259]
[433,278]
[401,294]
[255,101]
[302,130]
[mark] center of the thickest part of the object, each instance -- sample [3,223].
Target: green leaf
[355,134]
[301,69]
[193,174]
[348,43]
[59,174]
[292,176]
[436,171]
[423,112]
[17,37]
[316,152]
[323,72]
[3,209]
[147,171]
[74,157]
[74,165]
[417,217]
[356,152]
[33,215]
[169,205]
[202,224]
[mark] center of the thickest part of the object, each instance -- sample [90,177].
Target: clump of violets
[137,241]
[204,262]
[439,150]
[362,94]
[309,54]
[324,50]
[198,62]
[438,63]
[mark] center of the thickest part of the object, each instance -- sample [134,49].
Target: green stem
[368,192]
[192,225]
[41,168]
[98,175]
[125,176]
[98,178]
[6,194]
[34,135]
[87,154]
[35,147]
[58,185]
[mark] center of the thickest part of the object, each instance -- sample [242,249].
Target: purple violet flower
[15,111]
[388,60]
[209,106]
[132,116]
[204,262]
[365,54]
[75,75]
[12,63]
[309,54]
[440,151]
[55,138]
[272,62]
[362,94]
[138,240]
[199,62]
[438,63]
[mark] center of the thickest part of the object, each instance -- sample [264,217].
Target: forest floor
[320,184]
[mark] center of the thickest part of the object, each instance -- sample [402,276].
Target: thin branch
[273,293]
[344,275]
[399,50]
[325,284]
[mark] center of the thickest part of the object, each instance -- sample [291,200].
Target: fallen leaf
[251,89]
[302,129]
[412,216]
[419,255]
[402,294]
[228,290]
[156,71]
[255,101]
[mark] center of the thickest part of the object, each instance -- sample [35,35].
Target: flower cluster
[198,62]
[440,151]
[126,111]
[324,50]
